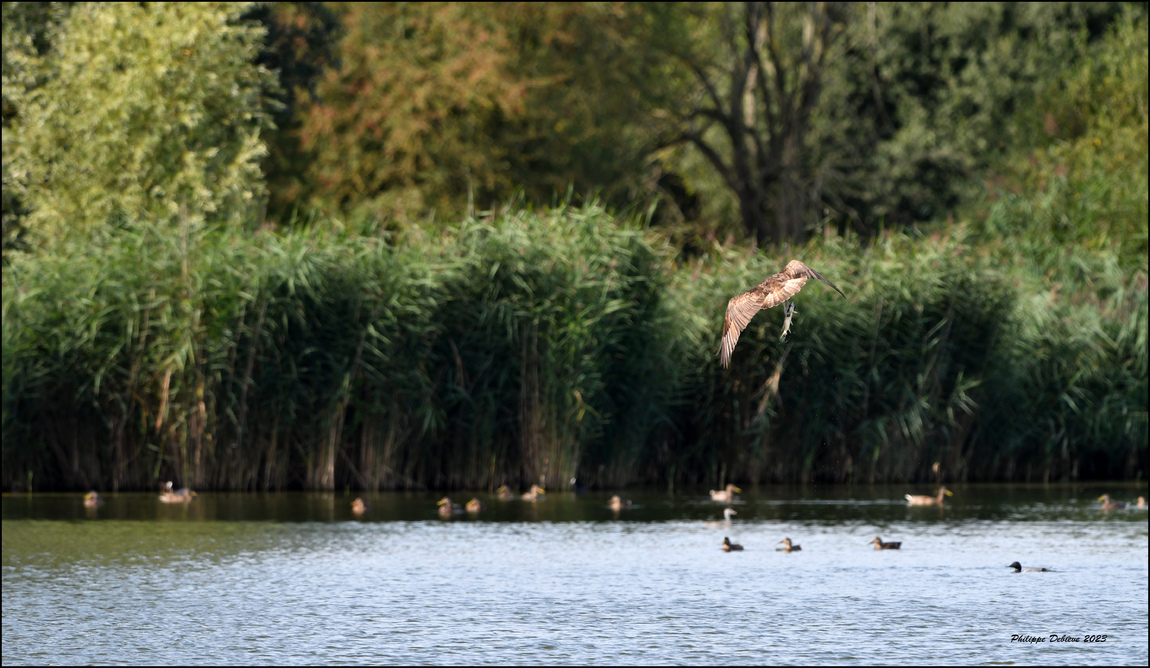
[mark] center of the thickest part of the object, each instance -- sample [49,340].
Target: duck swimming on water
[181,495]
[474,506]
[788,547]
[534,493]
[879,545]
[726,521]
[447,508]
[358,507]
[505,493]
[1107,504]
[725,495]
[728,546]
[923,500]
[92,500]
[1019,569]
[617,503]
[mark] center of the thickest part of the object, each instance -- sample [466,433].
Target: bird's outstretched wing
[740,310]
[773,291]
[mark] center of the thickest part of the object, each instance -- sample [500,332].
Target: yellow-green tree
[139,109]
[453,106]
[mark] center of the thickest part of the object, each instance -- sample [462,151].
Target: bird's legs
[788,315]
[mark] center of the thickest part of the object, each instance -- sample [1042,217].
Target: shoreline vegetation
[261,246]
[547,345]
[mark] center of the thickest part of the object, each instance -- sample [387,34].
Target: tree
[300,45]
[760,76]
[141,108]
[860,114]
[451,107]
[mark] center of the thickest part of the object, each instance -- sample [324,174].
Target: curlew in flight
[772,291]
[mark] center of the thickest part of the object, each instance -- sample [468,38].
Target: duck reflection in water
[725,522]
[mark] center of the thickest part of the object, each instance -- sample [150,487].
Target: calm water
[296,579]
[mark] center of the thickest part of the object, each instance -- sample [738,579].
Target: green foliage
[452,108]
[27,35]
[139,108]
[528,346]
[1079,180]
[924,99]
[542,346]
[299,46]
[318,360]
[939,353]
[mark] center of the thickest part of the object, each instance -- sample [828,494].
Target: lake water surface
[297,579]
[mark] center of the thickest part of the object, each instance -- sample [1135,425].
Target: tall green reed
[532,347]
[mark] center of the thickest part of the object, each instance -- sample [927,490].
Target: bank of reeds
[534,347]
[939,353]
[318,360]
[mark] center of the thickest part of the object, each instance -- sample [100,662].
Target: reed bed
[535,347]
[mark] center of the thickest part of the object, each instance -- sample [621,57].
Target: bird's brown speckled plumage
[773,291]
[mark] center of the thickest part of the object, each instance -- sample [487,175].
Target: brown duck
[619,503]
[182,495]
[788,547]
[534,493]
[1107,504]
[725,495]
[923,500]
[879,545]
[728,546]
[447,508]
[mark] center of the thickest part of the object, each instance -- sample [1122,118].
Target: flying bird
[774,290]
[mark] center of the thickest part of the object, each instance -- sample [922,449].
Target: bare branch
[715,159]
